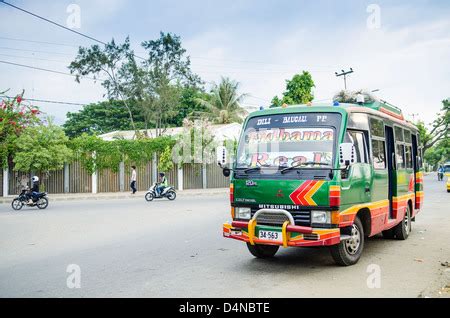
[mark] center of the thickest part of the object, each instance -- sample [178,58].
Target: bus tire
[403,229]
[389,234]
[263,251]
[348,252]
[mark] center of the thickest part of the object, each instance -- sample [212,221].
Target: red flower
[34,111]
[1,119]
[19,99]
[20,113]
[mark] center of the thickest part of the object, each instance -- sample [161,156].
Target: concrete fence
[75,179]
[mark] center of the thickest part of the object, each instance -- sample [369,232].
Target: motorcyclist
[162,184]
[34,191]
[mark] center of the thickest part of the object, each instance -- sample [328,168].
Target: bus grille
[301,218]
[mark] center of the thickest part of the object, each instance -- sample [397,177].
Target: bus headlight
[320,217]
[243,213]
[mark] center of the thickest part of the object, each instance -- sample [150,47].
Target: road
[130,248]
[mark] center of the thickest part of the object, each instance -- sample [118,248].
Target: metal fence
[215,178]
[80,181]
[192,176]
[76,179]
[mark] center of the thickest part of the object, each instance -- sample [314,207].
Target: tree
[166,73]
[298,91]
[42,148]
[439,153]
[439,128]
[223,106]
[103,117]
[15,116]
[112,61]
[188,105]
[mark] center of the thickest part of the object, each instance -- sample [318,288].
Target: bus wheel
[263,251]
[403,229]
[348,252]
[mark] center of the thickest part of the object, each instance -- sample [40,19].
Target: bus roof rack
[387,108]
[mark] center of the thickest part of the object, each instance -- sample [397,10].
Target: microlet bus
[323,175]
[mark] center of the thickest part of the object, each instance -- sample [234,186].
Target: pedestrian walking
[133,179]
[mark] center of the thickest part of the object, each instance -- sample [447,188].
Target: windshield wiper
[252,169]
[303,164]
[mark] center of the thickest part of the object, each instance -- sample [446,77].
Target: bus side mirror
[346,155]
[221,155]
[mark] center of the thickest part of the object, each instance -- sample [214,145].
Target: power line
[34,51]
[47,101]
[46,70]
[38,42]
[60,25]
[32,58]
[52,22]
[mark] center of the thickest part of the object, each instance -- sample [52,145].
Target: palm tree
[224,104]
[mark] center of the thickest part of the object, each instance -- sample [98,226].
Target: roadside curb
[118,196]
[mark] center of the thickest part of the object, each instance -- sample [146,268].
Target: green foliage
[438,154]
[41,148]
[223,105]
[195,144]
[97,154]
[298,91]
[439,128]
[15,117]
[102,118]
[165,160]
[112,61]
[188,105]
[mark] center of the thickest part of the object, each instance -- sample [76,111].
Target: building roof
[220,132]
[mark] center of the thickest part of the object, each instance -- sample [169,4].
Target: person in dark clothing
[34,191]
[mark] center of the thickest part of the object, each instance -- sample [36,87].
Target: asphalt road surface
[130,248]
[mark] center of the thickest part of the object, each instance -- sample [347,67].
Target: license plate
[270,236]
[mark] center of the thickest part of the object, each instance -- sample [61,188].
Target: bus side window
[400,156]
[379,154]
[358,140]
[409,158]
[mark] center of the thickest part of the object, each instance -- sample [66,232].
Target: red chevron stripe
[298,196]
[304,189]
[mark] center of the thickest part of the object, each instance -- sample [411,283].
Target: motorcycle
[39,200]
[168,192]
[440,176]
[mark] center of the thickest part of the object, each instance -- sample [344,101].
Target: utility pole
[414,117]
[344,73]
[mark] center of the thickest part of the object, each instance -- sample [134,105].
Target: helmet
[162,174]
[35,179]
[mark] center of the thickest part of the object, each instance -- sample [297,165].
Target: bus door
[415,151]
[390,156]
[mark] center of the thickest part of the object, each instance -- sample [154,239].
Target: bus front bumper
[288,236]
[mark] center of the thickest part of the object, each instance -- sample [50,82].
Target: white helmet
[35,179]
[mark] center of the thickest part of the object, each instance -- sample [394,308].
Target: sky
[400,48]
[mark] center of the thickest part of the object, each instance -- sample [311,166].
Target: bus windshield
[304,140]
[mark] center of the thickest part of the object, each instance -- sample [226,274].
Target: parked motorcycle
[40,201]
[168,192]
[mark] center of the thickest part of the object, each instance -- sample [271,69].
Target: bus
[326,175]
